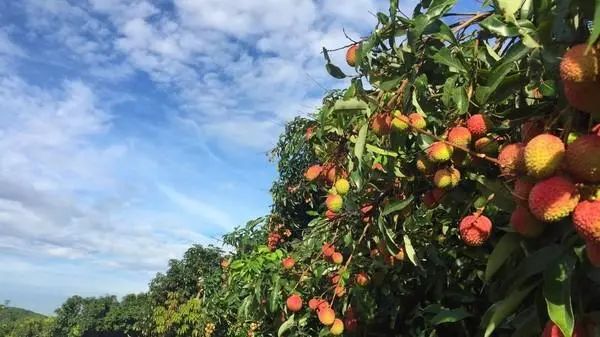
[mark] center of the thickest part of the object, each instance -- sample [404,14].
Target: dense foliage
[450,190]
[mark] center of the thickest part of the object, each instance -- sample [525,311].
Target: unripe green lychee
[475,229]
[337,328]
[334,202]
[486,145]
[417,121]
[446,178]
[583,158]
[439,152]
[342,186]
[580,64]
[512,159]
[459,135]
[543,155]
[478,125]
[586,220]
[553,199]
[524,223]
[313,172]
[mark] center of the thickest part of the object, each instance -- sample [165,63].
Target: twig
[474,18]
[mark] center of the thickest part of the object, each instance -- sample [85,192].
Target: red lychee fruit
[313,303]
[334,202]
[327,249]
[475,229]
[351,55]
[478,125]
[586,220]
[330,215]
[382,124]
[583,158]
[439,152]
[552,330]
[310,131]
[313,172]
[326,316]
[459,135]
[522,189]
[288,263]
[294,303]
[512,159]
[530,129]
[580,64]
[417,121]
[524,223]
[337,258]
[553,199]
[583,96]
[340,290]
[433,197]
[362,279]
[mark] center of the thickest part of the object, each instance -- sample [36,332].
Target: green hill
[11,318]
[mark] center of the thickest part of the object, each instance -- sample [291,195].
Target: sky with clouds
[130,130]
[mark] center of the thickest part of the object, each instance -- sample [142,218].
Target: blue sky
[130,130]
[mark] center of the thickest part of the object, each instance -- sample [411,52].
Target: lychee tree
[452,189]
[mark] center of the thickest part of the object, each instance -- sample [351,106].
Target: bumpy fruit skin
[583,158]
[340,290]
[417,121]
[552,330]
[486,145]
[424,165]
[330,215]
[400,122]
[475,229]
[337,328]
[512,159]
[524,223]
[362,279]
[288,263]
[294,303]
[578,66]
[342,186]
[459,135]
[313,303]
[327,249]
[583,96]
[522,189]
[592,250]
[337,258]
[334,202]
[478,125]
[543,155]
[326,316]
[446,178]
[439,152]
[586,220]
[553,199]
[382,124]
[313,172]
[351,55]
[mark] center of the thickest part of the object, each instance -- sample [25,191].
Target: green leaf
[450,316]
[557,291]
[596,30]
[495,25]
[275,294]
[286,326]
[359,148]
[461,99]
[410,250]
[334,71]
[505,247]
[397,206]
[444,56]
[509,7]
[502,309]
[375,149]
[350,104]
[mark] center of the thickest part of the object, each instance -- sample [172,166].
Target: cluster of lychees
[277,236]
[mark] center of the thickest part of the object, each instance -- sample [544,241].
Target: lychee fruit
[524,223]
[439,152]
[521,190]
[486,145]
[433,197]
[294,303]
[583,158]
[583,96]
[288,263]
[330,215]
[424,165]
[417,121]
[337,328]
[543,155]
[350,321]
[553,199]
[586,220]
[382,124]
[530,129]
[362,279]
[340,290]
[351,55]
[459,135]
[342,186]
[326,316]
[313,172]
[310,131]
[314,302]
[478,125]
[400,122]
[552,330]
[323,305]
[512,159]
[327,249]
[337,258]
[592,250]
[579,64]
[446,178]
[475,229]
[334,202]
